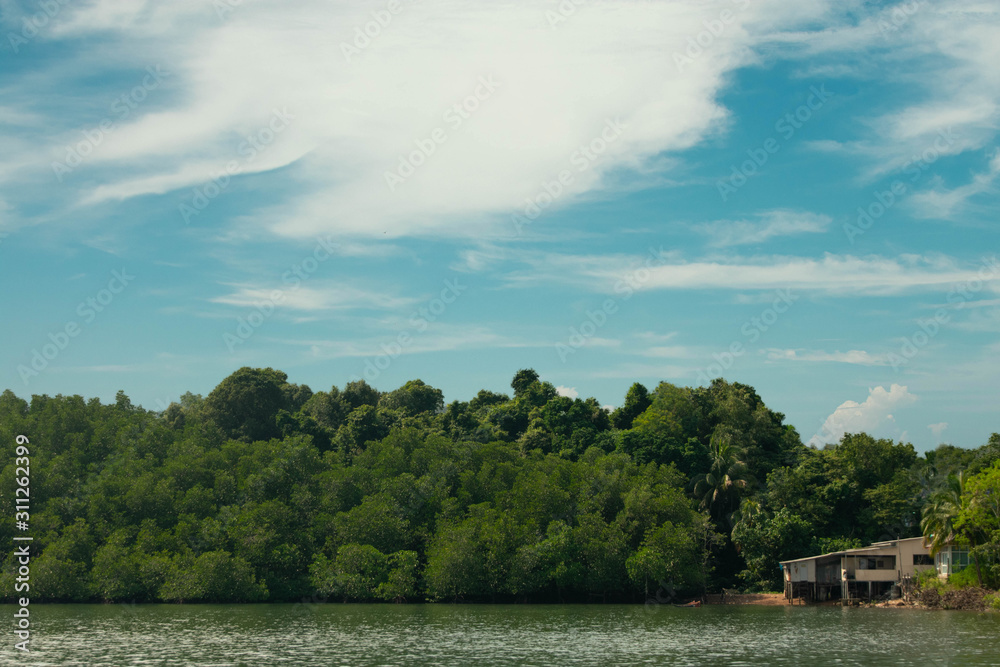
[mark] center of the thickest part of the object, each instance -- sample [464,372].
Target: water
[339,634]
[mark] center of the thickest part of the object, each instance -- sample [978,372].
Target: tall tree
[940,522]
[727,480]
[636,401]
[245,404]
[523,379]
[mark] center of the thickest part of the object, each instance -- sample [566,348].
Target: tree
[388,497]
[720,489]
[245,404]
[117,571]
[357,572]
[378,521]
[215,576]
[986,455]
[668,431]
[941,524]
[940,514]
[360,393]
[413,398]
[737,412]
[510,419]
[979,518]
[668,553]
[54,579]
[871,462]
[636,401]
[455,564]
[363,425]
[765,540]
[401,581]
[523,379]
[485,399]
[573,422]
[329,409]
[604,550]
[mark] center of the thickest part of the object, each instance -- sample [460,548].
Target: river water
[341,634]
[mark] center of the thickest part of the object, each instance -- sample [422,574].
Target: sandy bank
[767,599]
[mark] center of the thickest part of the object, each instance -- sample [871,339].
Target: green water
[339,634]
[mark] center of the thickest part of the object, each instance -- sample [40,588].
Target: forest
[264,490]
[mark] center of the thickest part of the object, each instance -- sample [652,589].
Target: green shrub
[928,579]
[215,576]
[965,579]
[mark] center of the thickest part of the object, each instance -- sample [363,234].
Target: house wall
[803,571]
[850,562]
[875,575]
[907,550]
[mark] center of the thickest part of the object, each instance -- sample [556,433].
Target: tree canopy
[267,491]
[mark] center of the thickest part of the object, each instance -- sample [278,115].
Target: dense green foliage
[264,490]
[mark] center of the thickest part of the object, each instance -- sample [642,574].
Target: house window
[952,560]
[922,559]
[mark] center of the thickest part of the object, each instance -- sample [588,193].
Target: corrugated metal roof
[874,547]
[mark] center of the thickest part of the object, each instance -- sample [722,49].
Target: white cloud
[944,52]
[672,352]
[770,224]
[554,91]
[945,204]
[873,416]
[316,297]
[479,259]
[442,337]
[837,274]
[653,337]
[860,357]
[938,429]
[568,392]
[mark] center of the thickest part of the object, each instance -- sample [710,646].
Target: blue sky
[797,196]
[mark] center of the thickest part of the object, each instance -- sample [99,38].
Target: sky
[796,196]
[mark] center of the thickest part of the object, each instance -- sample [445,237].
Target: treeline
[265,490]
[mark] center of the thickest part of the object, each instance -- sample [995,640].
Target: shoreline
[778,599]
[755,599]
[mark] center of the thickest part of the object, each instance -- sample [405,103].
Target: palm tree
[749,515]
[727,478]
[938,521]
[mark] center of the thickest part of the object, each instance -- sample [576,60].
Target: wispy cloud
[672,352]
[943,203]
[770,224]
[938,429]
[942,51]
[550,99]
[860,357]
[315,297]
[443,337]
[844,275]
